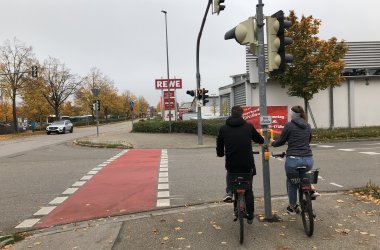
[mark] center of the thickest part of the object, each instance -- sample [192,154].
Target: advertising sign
[171,94]
[166,103]
[279,116]
[172,83]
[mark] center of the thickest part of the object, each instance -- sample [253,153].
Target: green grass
[11,239]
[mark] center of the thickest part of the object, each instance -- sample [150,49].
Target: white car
[61,126]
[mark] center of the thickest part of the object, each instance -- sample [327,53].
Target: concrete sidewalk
[343,222]
[126,139]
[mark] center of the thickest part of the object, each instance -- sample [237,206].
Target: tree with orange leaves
[317,64]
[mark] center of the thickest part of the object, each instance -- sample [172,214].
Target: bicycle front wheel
[307,213]
[241,215]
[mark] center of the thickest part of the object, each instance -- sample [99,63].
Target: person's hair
[236,111]
[299,110]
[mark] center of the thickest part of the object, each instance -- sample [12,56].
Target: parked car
[60,127]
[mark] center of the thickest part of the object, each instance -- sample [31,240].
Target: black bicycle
[240,182]
[304,181]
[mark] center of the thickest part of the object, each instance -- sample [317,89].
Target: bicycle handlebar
[282,155]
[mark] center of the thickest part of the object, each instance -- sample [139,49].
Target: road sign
[168,83]
[132,104]
[265,120]
[166,103]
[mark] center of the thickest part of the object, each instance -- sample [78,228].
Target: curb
[103,145]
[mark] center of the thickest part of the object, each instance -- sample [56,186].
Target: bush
[209,127]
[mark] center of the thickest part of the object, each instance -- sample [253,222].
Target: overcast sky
[125,39]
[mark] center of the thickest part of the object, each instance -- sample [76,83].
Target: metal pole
[97,121]
[198,75]
[263,109]
[167,66]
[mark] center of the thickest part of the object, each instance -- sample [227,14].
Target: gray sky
[125,39]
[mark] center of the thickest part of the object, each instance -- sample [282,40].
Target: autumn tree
[60,84]
[107,93]
[141,107]
[5,109]
[15,62]
[34,105]
[127,97]
[317,64]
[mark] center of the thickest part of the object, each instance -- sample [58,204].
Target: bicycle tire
[307,213]
[240,204]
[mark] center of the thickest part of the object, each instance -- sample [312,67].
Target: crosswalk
[361,150]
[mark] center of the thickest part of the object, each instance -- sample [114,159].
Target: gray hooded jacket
[297,133]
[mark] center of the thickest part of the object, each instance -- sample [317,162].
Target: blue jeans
[291,163]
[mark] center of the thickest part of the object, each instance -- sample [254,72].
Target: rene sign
[171,83]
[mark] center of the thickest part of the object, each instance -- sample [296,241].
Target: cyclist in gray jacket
[297,133]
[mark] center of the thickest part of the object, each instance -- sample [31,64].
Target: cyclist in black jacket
[235,142]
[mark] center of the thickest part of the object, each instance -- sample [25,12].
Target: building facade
[353,104]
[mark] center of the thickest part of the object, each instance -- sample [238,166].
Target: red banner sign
[166,103]
[172,83]
[279,116]
[171,94]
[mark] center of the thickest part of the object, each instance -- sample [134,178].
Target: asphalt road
[32,177]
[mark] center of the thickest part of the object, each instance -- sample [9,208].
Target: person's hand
[271,142]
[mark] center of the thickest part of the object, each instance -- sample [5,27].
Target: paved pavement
[343,221]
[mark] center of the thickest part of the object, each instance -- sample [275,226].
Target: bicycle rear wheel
[240,204]
[307,213]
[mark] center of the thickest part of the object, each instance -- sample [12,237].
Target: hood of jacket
[235,121]
[300,122]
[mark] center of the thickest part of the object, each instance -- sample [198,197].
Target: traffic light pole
[263,110]
[198,75]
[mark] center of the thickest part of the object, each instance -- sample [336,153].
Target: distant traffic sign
[131,103]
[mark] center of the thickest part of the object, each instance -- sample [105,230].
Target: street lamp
[95,93]
[167,66]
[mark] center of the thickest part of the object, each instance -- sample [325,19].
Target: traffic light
[191,92]
[204,96]
[34,71]
[96,105]
[245,33]
[199,94]
[218,6]
[276,39]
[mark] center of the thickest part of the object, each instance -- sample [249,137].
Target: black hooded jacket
[298,135]
[235,141]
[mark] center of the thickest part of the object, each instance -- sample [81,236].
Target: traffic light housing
[204,96]
[245,33]
[276,40]
[199,94]
[218,6]
[96,105]
[34,71]
[191,92]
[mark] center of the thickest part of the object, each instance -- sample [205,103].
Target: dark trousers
[249,199]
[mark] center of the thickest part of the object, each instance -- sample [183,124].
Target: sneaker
[250,221]
[314,194]
[228,197]
[293,211]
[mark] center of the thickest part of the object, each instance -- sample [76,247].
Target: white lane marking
[79,183]
[320,177]
[326,146]
[163,194]
[27,223]
[163,169]
[370,153]
[86,177]
[70,191]
[45,210]
[163,179]
[163,186]
[337,185]
[97,169]
[92,172]
[163,203]
[102,165]
[163,174]
[347,149]
[58,200]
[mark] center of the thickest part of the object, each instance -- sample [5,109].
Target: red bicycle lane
[126,185]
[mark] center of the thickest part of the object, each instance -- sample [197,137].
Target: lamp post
[95,92]
[167,66]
